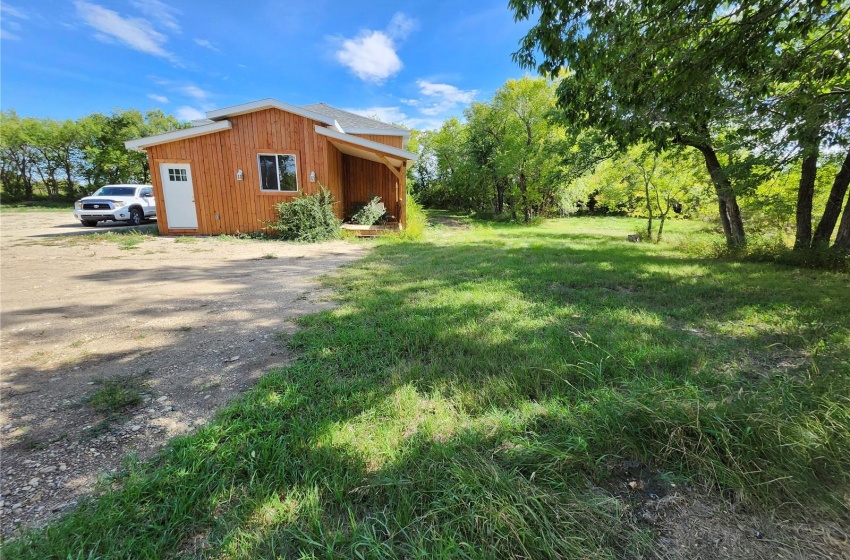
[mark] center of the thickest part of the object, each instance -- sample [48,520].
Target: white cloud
[372,55]
[158,98]
[186,113]
[401,26]
[397,115]
[13,12]
[206,44]
[12,25]
[135,33]
[161,12]
[424,124]
[440,98]
[195,92]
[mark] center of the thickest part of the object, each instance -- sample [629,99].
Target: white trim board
[370,144]
[182,134]
[379,131]
[267,104]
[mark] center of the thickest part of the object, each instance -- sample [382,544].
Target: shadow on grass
[468,397]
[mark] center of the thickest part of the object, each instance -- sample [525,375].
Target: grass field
[38,206]
[481,393]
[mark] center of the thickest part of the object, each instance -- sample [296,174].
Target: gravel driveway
[188,322]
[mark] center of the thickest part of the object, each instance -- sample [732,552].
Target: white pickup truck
[116,203]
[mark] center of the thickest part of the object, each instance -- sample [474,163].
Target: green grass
[37,206]
[114,396]
[474,393]
[116,393]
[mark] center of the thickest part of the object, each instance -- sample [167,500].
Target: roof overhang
[182,134]
[366,149]
[267,104]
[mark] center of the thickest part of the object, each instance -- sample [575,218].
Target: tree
[106,159]
[523,105]
[485,140]
[645,182]
[58,154]
[16,156]
[712,75]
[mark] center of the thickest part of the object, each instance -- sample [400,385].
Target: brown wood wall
[240,205]
[365,179]
[394,141]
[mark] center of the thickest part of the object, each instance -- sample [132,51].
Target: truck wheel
[136,217]
[89,223]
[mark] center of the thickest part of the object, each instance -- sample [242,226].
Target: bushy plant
[416,220]
[308,218]
[372,212]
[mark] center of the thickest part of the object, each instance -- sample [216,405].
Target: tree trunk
[805,194]
[500,196]
[833,206]
[69,179]
[523,189]
[842,238]
[648,211]
[727,203]
[661,221]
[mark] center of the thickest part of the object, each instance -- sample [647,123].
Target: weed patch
[115,394]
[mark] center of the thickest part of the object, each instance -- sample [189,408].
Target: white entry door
[179,195]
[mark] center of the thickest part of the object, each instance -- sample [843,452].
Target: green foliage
[417,221]
[643,182]
[747,85]
[509,156]
[117,393]
[48,158]
[307,218]
[473,396]
[771,247]
[371,213]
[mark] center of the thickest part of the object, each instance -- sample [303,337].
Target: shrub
[371,213]
[308,218]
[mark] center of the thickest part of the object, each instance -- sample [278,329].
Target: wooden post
[402,218]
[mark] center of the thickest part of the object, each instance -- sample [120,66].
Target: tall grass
[474,393]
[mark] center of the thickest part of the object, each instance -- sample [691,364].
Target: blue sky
[411,62]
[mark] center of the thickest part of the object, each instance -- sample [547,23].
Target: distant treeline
[61,159]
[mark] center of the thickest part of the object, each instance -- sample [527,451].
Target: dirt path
[185,323]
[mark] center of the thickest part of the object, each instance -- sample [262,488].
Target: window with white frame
[177,175]
[278,172]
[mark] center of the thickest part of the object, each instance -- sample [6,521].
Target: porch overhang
[395,159]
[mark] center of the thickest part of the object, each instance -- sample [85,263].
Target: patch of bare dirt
[448,222]
[190,322]
[693,524]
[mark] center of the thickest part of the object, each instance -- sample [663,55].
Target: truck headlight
[78,205]
[119,203]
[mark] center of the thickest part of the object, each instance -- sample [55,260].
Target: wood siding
[225,205]
[394,141]
[365,179]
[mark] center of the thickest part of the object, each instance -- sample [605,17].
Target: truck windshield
[115,191]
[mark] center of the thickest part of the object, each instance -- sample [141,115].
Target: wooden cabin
[225,174]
